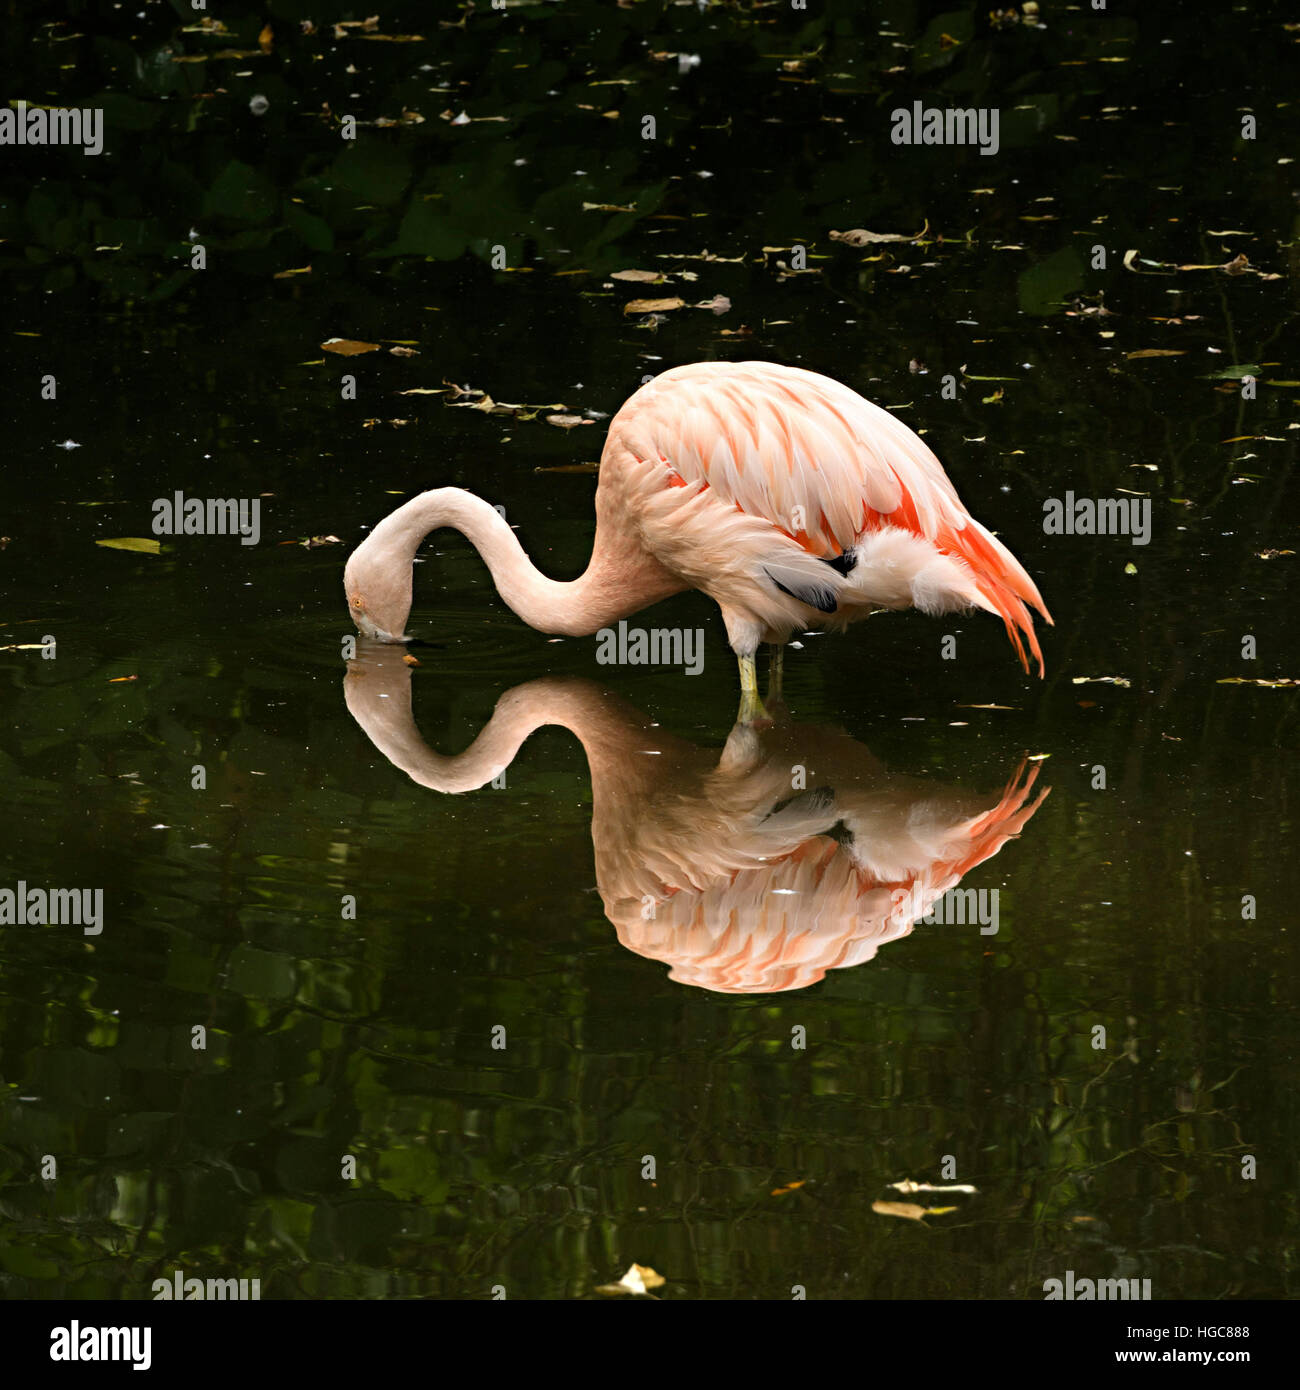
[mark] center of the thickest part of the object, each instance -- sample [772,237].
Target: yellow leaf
[142,544]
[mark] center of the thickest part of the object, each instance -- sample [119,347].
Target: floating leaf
[641,277]
[907,1185]
[910,1210]
[652,306]
[567,422]
[347,347]
[639,1279]
[1156,352]
[859,236]
[789,1187]
[1232,371]
[1282,682]
[143,544]
[1101,680]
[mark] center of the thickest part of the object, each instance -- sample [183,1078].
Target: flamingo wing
[824,466]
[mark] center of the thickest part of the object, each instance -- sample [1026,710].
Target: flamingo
[785,496]
[720,865]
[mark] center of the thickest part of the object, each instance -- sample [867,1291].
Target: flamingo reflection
[753,871]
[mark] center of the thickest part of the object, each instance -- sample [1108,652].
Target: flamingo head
[378,588]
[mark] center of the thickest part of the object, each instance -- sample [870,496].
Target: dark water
[1150,893]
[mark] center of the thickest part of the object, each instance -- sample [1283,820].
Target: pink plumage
[783,495]
[822,473]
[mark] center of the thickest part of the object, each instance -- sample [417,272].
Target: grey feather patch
[814,803]
[819,596]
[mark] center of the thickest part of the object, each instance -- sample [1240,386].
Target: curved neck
[377,689]
[620,578]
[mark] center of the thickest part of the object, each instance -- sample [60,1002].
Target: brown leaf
[1280,683]
[566,422]
[642,277]
[652,306]
[858,236]
[404,352]
[1156,352]
[347,347]
[265,38]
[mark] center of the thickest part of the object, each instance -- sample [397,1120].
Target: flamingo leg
[776,674]
[751,707]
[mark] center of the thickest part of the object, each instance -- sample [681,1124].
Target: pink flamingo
[742,878]
[785,496]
